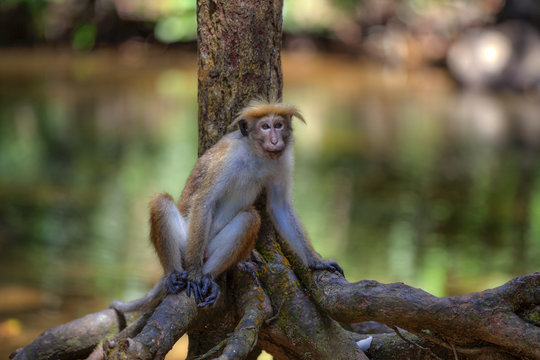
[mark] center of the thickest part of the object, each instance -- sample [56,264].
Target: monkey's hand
[205,291]
[328,265]
[209,291]
[176,282]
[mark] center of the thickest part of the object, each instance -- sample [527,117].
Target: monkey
[214,224]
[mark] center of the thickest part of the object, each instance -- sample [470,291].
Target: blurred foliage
[347,21]
[411,180]
[176,28]
[84,37]
[486,43]
[400,176]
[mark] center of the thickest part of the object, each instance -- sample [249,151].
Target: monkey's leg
[168,235]
[232,244]
[168,232]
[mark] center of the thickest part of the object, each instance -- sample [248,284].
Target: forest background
[418,161]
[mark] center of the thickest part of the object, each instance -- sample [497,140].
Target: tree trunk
[240,59]
[271,301]
[239,45]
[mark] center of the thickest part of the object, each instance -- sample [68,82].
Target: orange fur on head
[258,108]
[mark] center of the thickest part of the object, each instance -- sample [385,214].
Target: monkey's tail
[148,301]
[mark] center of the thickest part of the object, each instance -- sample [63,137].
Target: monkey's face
[271,135]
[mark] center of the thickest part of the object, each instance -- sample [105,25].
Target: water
[400,176]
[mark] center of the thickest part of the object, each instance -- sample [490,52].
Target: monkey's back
[229,174]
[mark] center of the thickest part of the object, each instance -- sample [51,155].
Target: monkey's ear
[242,124]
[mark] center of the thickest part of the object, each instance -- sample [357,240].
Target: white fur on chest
[243,180]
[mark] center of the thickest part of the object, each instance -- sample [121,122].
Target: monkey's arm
[201,216]
[203,287]
[200,219]
[290,228]
[204,187]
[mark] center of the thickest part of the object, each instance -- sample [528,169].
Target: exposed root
[482,324]
[213,350]
[255,308]
[428,350]
[276,315]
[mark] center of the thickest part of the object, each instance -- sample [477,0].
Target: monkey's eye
[265,126]
[278,126]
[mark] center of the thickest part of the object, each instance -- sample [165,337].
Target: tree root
[503,320]
[487,321]
[212,351]
[256,309]
[157,335]
[500,323]
[75,338]
[301,330]
[426,349]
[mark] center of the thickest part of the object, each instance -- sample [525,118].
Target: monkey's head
[267,125]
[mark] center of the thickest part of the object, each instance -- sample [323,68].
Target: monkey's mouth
[274,154]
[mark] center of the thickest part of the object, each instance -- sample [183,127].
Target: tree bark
[239,48]
[271,301]
[240,59]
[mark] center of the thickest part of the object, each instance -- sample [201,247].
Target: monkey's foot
[176,282]
[205,291]
[329,266]
[193,287]
[209,291]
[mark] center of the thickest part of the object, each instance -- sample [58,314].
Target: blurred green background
[418,162]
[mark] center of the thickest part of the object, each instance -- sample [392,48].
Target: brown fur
[250,235]
[205,170]
[259,108]
[215,216]
[157,206]
[245,243]
[199,184]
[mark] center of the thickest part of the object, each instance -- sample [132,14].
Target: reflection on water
[399,176]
